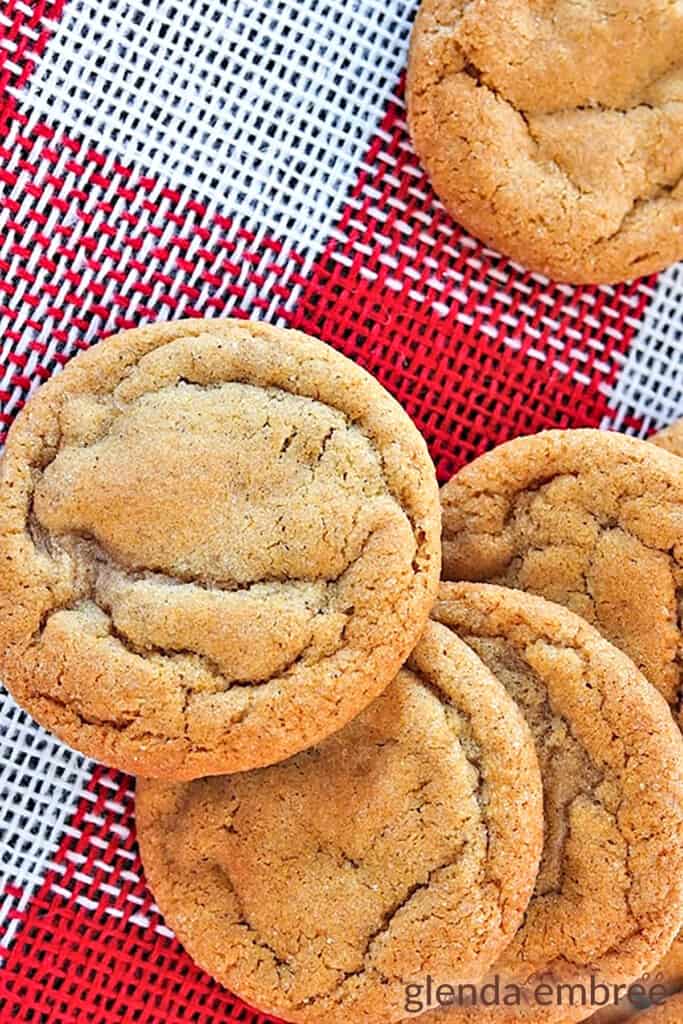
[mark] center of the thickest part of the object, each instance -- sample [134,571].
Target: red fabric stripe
[23,37]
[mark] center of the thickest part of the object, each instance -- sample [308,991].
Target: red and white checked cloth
[198,158]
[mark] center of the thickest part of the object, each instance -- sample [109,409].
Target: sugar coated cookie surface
[219,541]
[407,843]
[554,131]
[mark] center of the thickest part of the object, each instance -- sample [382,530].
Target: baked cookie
[670,438]
[670,971]
[670,1012]
[408,843]
[668,974]
[542,140]
[219,541]
[590,519]
[609,894]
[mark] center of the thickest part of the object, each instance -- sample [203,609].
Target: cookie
[670,971]
[407,843]
[219,540]
[670,438]
[543,141]
[669,1012]
[609,893]
[590,519]
[664,1011]
[667,976]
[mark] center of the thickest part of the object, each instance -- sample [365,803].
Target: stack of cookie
[362,797]
[592,521]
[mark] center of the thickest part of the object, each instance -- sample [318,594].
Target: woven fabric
[202,159]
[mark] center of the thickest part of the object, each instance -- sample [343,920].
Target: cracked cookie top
[609,892]
[554,130]
[408,843]
[219,542]
[590,519]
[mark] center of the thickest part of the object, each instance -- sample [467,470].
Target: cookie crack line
[638,203]
[113,724]
[472,69]
[335,994]
[604,524]
[156,574]
[588,791]
[541,482]
[169,652]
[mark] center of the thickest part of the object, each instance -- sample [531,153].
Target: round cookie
[543,141]
[407,843]
[609,894]
[670,438]
[590,519]
[219,540]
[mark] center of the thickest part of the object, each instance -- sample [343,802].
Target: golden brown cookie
[406,843]
[670,972]
[670,438]
[668,1012]
[543,140]
[609,894]
[667,977]
[590,519]
[219,541]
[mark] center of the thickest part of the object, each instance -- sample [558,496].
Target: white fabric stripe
[264,109]
[41,781]
[649,385]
